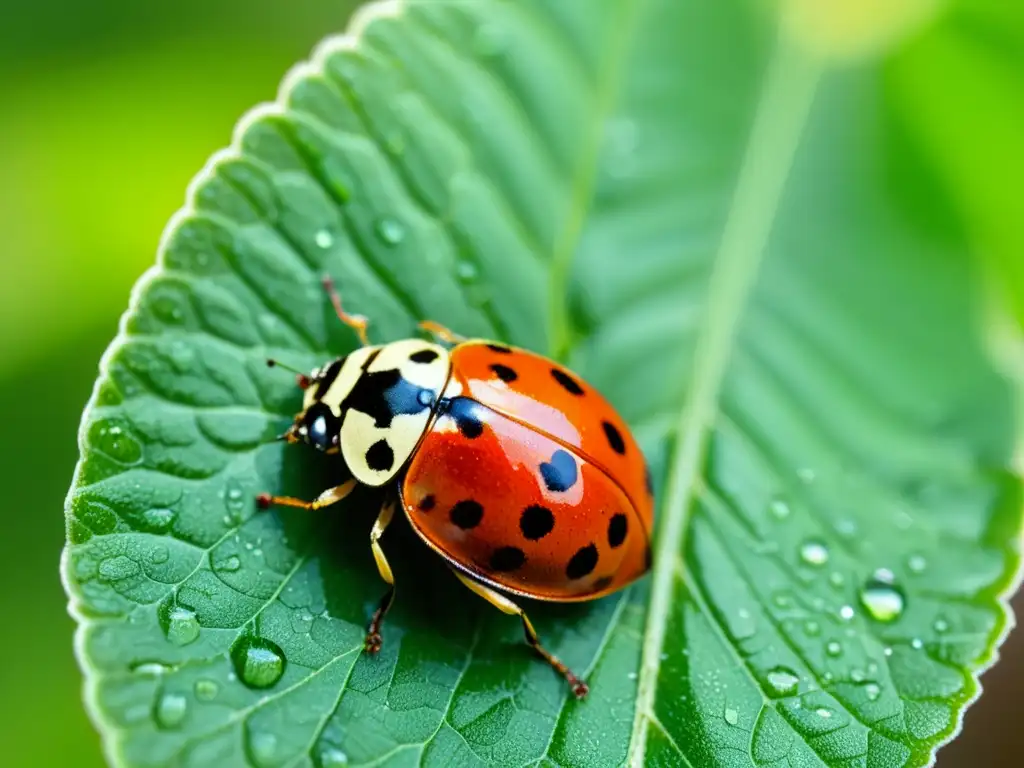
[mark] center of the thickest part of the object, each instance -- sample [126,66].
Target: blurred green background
[109,108]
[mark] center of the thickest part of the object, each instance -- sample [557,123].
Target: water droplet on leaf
[182,626]
[814,552]
[917,563]
[206,690]
[834,649]
[259,662]
[263,748]
[112,440]
[159,518]
[117,568]
[332,757]
[466,271]
[170,710]
[916,644]
[941,625]
[390,231]
[731,716]
[822,712]
[150,669]
[846,612]
[812,628]
[779,508]
[229,564]
[872,691]
[881,598]
[159,555]
[783,681]
[324,239]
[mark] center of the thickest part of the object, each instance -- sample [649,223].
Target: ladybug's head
[318,424]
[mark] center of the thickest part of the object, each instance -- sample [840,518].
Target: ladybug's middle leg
[505,605]
[373,638]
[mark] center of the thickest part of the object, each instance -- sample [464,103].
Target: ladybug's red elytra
[518,473]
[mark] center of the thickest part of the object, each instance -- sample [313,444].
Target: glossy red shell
[529,480]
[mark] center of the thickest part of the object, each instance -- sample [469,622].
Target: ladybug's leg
[505,605]
[441,332]
[373,638]
[325,499]
[357,323]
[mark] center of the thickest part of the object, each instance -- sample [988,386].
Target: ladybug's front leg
[373,638]
[325,499]
[505,605]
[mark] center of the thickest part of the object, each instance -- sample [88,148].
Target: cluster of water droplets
[113,440]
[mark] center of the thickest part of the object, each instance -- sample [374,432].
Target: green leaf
[725,235]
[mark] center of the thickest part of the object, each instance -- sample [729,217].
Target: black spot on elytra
[466,514]
[423,356]
[603,583]
[504,373]
[507,559]
[427,503]
[500,349]
[380,457]
[468,416]
[582,563]
[536,522]
[614,437]
[617,528]
[569,384]
[560,474]
[383,395]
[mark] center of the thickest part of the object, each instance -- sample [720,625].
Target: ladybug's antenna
[357,323]
[300,378]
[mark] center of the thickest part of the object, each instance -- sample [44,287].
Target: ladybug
[514,470]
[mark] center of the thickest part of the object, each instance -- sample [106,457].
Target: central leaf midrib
[781,113]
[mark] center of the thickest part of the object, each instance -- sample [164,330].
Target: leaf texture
[727,237]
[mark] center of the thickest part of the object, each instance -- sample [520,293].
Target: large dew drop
[881,598]
[258,662]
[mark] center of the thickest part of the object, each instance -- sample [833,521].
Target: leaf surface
[724,236]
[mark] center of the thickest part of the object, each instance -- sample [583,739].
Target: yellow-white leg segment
[373,638]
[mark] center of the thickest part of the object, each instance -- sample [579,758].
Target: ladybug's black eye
[320,427]
[318,430]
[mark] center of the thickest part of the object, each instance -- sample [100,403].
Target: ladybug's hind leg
[373,638]
[505,605]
